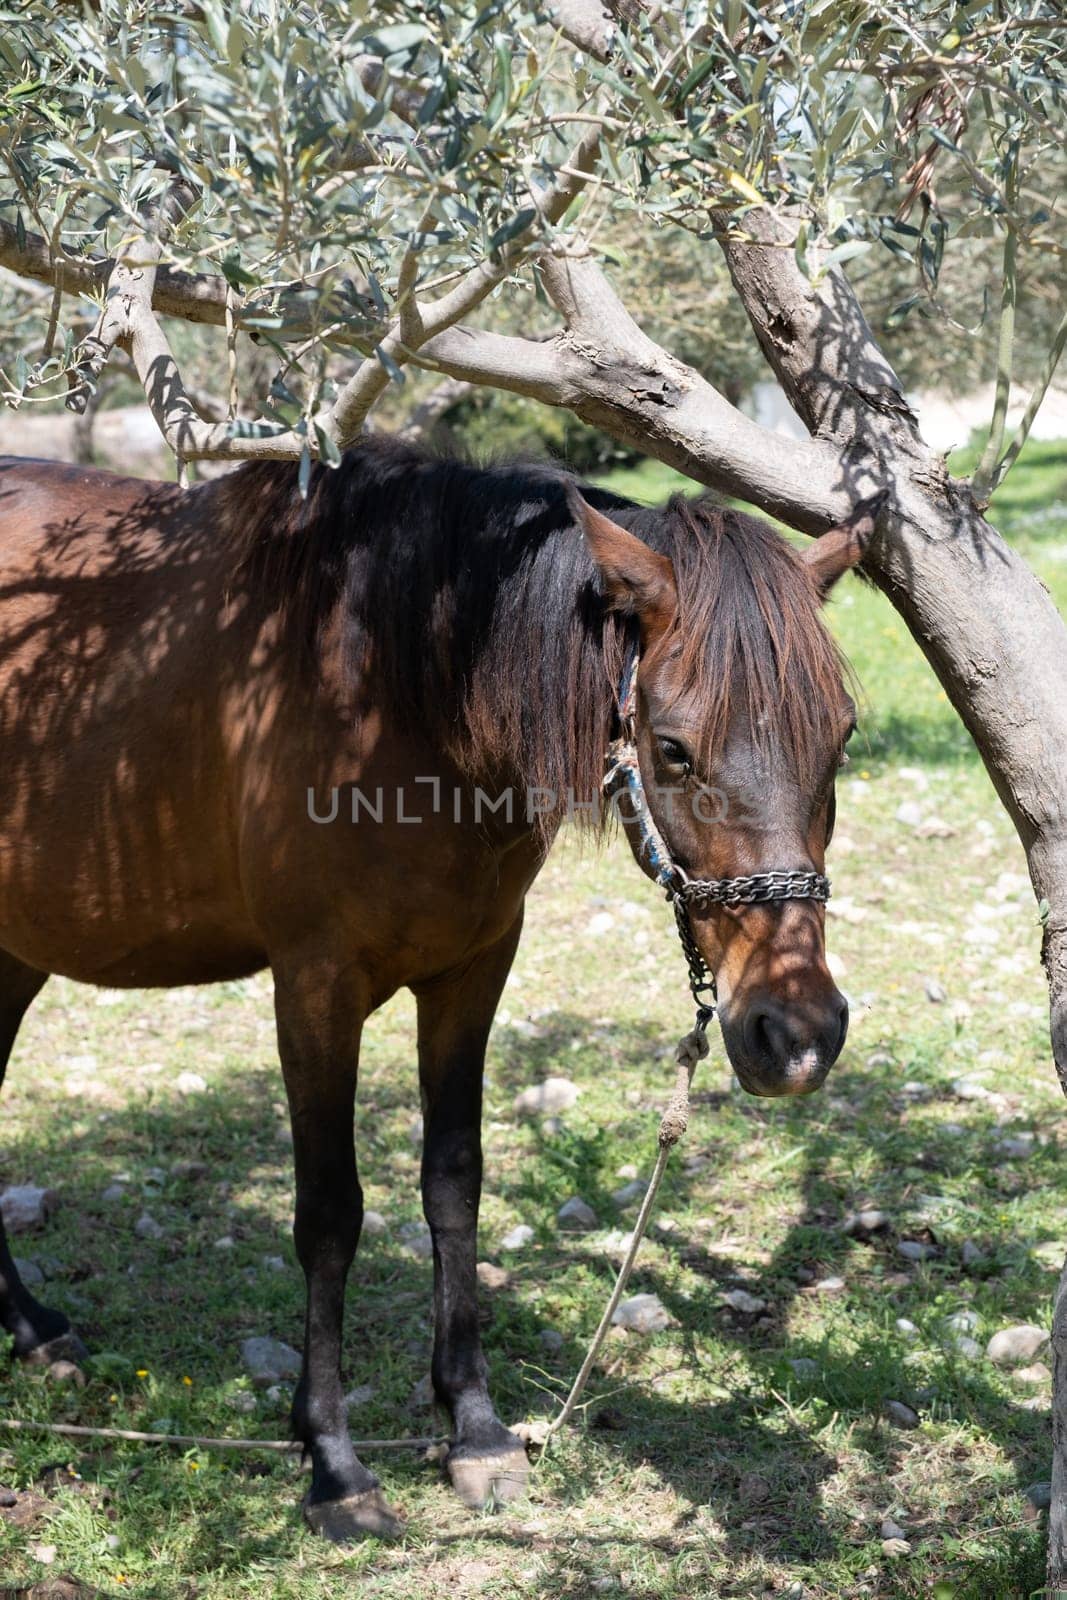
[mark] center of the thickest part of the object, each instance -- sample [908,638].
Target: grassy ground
[705,1465]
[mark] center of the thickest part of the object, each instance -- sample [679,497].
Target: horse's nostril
[842,1024]
[767,1036]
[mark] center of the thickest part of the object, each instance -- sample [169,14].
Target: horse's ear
[841,548]
[636,580]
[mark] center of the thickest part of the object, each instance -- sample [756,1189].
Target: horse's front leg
[486,1462]
[320,1014]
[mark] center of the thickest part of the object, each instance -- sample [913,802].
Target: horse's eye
[675,754]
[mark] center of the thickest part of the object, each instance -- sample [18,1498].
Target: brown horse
[335,735]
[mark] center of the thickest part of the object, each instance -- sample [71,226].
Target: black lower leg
[344,1501]
[40,1334]
[486,1461]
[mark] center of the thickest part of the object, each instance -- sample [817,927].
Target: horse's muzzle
[785,1049]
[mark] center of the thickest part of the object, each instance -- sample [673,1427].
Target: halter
[624,771]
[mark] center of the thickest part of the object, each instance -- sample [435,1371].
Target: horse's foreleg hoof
[358,1516]
[64,1347]
[492,1477]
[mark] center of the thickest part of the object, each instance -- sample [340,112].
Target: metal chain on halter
[624,770]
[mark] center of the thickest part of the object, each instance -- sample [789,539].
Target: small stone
[740,1300]
[636,1190]
[935,828]
[518,1237]
[242,1401]
[146,1227]
[374,1224]
[970,1253]
[804,1367]
[936,992]
[113,1192]
[269,1361]
[753,1489]
[909,814]
[1016,1148]
[190,1083]
[44,1553]
[601,923]
[642,1313]
[1037,1373]
[225,1243]
[915,1250]
[895,1548]
[628,1171]
[24,1206]
[8,1498]
[490,1276]
[867,1221]
[968,1089]
[274,1263]
[964,1346]
[831,1285]
[901,1415]
[422,1396]
[551,1340]
[892,1530]
[417,1238]
[112,1542]
[360,1396]
[962,1321]
[187,1170]
[1012,1347]
[545,1099]
[1050,1253]
[67,1372]
[881,1058]
[908,1329]
[576,1214]
[1039,1496]
[278,1393]
[29,1272]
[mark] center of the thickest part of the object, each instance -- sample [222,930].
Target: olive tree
[364,191]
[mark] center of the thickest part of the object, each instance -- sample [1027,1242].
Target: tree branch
[607,371]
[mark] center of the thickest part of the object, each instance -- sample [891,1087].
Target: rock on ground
[269,1361]
[741,1300]
[24,1206]
[642,1313]
[518,1237]
[575,1213]
[546,1099]
[1013,1347]
[901,1415]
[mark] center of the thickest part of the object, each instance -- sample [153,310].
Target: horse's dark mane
[472,607]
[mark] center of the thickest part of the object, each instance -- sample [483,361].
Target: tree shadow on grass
[177,1307]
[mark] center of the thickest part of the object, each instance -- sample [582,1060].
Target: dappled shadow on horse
[335,735]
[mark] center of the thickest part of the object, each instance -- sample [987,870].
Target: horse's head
[740,724]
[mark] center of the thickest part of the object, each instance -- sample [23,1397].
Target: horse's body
[196,688]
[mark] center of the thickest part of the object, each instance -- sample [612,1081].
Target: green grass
[703,1466]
